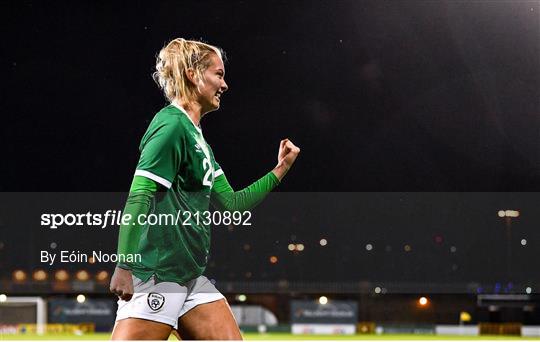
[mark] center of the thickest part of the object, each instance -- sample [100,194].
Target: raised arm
[225,198]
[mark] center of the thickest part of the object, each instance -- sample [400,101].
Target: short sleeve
[161,151]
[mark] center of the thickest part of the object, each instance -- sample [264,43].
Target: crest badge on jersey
[155,301]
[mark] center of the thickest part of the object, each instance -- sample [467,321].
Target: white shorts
[165,302]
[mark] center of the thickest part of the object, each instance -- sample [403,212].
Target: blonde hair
[173,62]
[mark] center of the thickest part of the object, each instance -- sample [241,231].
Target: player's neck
[194,111]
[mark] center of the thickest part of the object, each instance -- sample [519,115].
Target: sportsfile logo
[115,218]
[102,220]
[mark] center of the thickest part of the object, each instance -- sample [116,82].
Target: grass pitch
[275,337]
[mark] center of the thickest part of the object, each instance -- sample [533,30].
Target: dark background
[450,242]
[380,95]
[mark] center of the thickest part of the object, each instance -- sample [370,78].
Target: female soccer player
[166,290]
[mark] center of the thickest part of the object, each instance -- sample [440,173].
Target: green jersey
[175,155]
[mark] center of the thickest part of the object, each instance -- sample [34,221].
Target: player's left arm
[225,198]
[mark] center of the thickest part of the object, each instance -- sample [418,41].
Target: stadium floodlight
[323,242]
[82,275]
[19,275]
[323,300]
[61,275]
[464,316]
[102,276]
[25,309]
[81,298]
[528,290]
[423,301]
[241,298]
[40,275]
[511,213]
[3,298]
[508,213]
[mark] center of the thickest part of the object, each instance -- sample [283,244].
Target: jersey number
[206,179]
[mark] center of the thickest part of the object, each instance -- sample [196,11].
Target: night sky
[380,95]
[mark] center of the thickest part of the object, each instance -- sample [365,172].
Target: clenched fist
[122,284]
[288,152]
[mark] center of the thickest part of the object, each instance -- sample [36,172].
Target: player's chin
[211,108]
